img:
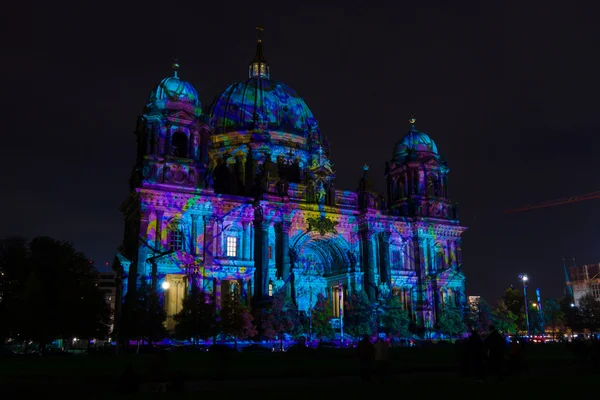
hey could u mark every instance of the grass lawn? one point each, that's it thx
(415, 367)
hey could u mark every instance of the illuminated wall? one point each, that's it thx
(244, 200)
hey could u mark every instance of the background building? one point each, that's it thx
(106, 283)
(241, 197)
(583, 280)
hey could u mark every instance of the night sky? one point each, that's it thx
(507, 91)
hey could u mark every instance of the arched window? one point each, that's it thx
(179, 145)
(432, 186)
(440, 259)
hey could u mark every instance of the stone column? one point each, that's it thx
(217, 291)
(420, 287)
(261, 256)
(384, 251)
(220, 238)
(194, 233)
(158, 229)
(284, 228)
(209, 236)
(368, 265)
(245, 241)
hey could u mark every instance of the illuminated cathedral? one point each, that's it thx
(241, 198)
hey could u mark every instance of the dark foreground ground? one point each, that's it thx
(551, 370)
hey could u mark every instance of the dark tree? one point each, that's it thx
(280, 318)
(322, 313)
(53, 294)
(14, 256)
(554, 317)
(588, 312)
(359, 315)
(197, 318)
(451, 322)
(504, 320)
(236, 320)
(143, 316)
(514, 302)
(394, 318)
(571, 313)
(479, 317)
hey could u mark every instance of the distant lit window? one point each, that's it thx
(175, 240)
(270, 288)
(231, 250)
(270, 252)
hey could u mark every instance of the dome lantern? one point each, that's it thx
(259, 68)
(173, 92)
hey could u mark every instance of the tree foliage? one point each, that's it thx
(554, 317)
(588, 312)
(143, 315)
(514, 302)
(236, 320)
(394, 318)
(451, 322)
(48, 292)
(479, 317)
(504, 320)
(280, 317)
(359, 316)
(322, 313)
(197, 318)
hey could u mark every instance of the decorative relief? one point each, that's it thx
(322, 225)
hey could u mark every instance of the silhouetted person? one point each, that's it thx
(129, 381)
(496, 345)
(516, 355)
(463, 354)
(365, 357)
(382, 359)
(476, 355)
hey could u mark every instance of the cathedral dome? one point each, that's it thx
(259, 99)
(415, 145)
(174, 89)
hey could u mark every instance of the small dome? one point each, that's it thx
(415, 145)
(261, 99)
(173, 89)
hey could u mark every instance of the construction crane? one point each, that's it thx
(552, 203)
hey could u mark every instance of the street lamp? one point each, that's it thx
(165, 285)
(524, 279)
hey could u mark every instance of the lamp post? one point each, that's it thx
(524, 279)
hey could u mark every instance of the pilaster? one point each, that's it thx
(370, 284)
(384, 252)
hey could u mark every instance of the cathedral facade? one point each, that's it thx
(241, 197)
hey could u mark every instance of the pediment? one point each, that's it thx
(181, 115)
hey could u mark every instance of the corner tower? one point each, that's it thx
(417, 179)
(171, 137)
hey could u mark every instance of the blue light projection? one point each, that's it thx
(243, 200)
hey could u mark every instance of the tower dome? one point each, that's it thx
(174, 91)
(260, 100)
(415, 145)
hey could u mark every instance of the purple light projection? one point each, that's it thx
(244, 200)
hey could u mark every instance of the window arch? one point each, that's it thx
(179, 144)
(440, 259)
(432, 186)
